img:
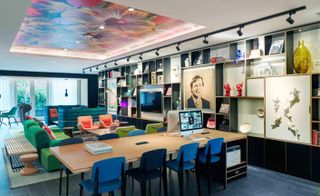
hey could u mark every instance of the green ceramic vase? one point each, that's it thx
(302, 58)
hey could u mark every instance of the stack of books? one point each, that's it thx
(97, 147)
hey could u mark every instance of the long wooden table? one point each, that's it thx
(78, 160)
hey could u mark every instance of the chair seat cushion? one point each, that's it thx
(213, 159)
(86, 124)
(103, 186)
(106, 121)
(140, 175)
(174, 165)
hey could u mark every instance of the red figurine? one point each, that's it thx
(227, 87)
(239, 89)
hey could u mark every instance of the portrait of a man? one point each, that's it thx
(195, 100)
(199, 88)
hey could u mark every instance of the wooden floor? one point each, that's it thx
(258, 182)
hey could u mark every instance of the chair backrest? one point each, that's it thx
(153, 160)
(23, 109)
(13, 110)
(215, 146)
(108, 169)
(123, 131)
(162, 129)
(108, 136)
(189, 152)
(136, 132)
(85, 121)
(153, 127)
(73, 140)
(106, 119)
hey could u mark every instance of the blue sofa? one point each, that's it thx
(48, 120)
(69, 117)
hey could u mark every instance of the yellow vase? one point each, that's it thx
(302, 58)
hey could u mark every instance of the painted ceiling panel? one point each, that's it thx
(92, 29)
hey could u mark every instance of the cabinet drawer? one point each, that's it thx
(236, 172)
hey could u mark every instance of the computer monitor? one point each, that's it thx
(173, 121)
(190, 122)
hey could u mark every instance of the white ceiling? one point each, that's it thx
(214, 14)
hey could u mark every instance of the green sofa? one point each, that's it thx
(41, 140)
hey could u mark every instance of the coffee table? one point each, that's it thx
(18, 146)
(99, 131)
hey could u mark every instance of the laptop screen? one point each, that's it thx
(190, 120)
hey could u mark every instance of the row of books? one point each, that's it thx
(315, 137)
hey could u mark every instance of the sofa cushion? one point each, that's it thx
(48, 160)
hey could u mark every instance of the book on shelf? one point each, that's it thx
(315, 137)
(134, 92)
(168, 91)
(114, 74)
(276, 47)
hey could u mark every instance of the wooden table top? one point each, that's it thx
(78, 160)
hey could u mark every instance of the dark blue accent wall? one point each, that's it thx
(92, 81)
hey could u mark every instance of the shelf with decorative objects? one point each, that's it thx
(256, 66)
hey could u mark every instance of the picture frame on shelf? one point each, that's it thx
(153, 77)
(224, 108)
(276, 47)
(160, 79)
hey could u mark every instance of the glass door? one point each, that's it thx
(40, 97)
(33, 92)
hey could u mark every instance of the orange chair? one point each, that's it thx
(86, 123)
(105, 120)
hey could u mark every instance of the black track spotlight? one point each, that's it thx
(178, 47)
(90, 69)
(97, 68)
(239, 31)
(140, 57)
(83, 71)
(205, 41)
(157, 52)
(289, 19)
(115, 63)
(105, 65)
(128, 59)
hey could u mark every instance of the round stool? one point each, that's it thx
(28, 160)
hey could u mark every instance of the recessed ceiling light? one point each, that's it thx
(65, 49)
(131, 9)
(77, 42)
(300, 30)
(101, 27)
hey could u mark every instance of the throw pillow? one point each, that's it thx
(53, 113)
(107, 121)
(86, 124)
(50, 132)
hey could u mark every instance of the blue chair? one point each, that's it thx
(68, 141)
(152, 166)
(107, 176)
(187, 153)
(136, 132)
(162, 129)
(210, 156)
(108, 136)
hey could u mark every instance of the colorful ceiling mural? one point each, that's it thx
(93, 29)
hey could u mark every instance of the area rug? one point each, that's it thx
(17, 181)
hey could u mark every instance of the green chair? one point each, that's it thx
(153, 128)
(123, 131)
(10, 114)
